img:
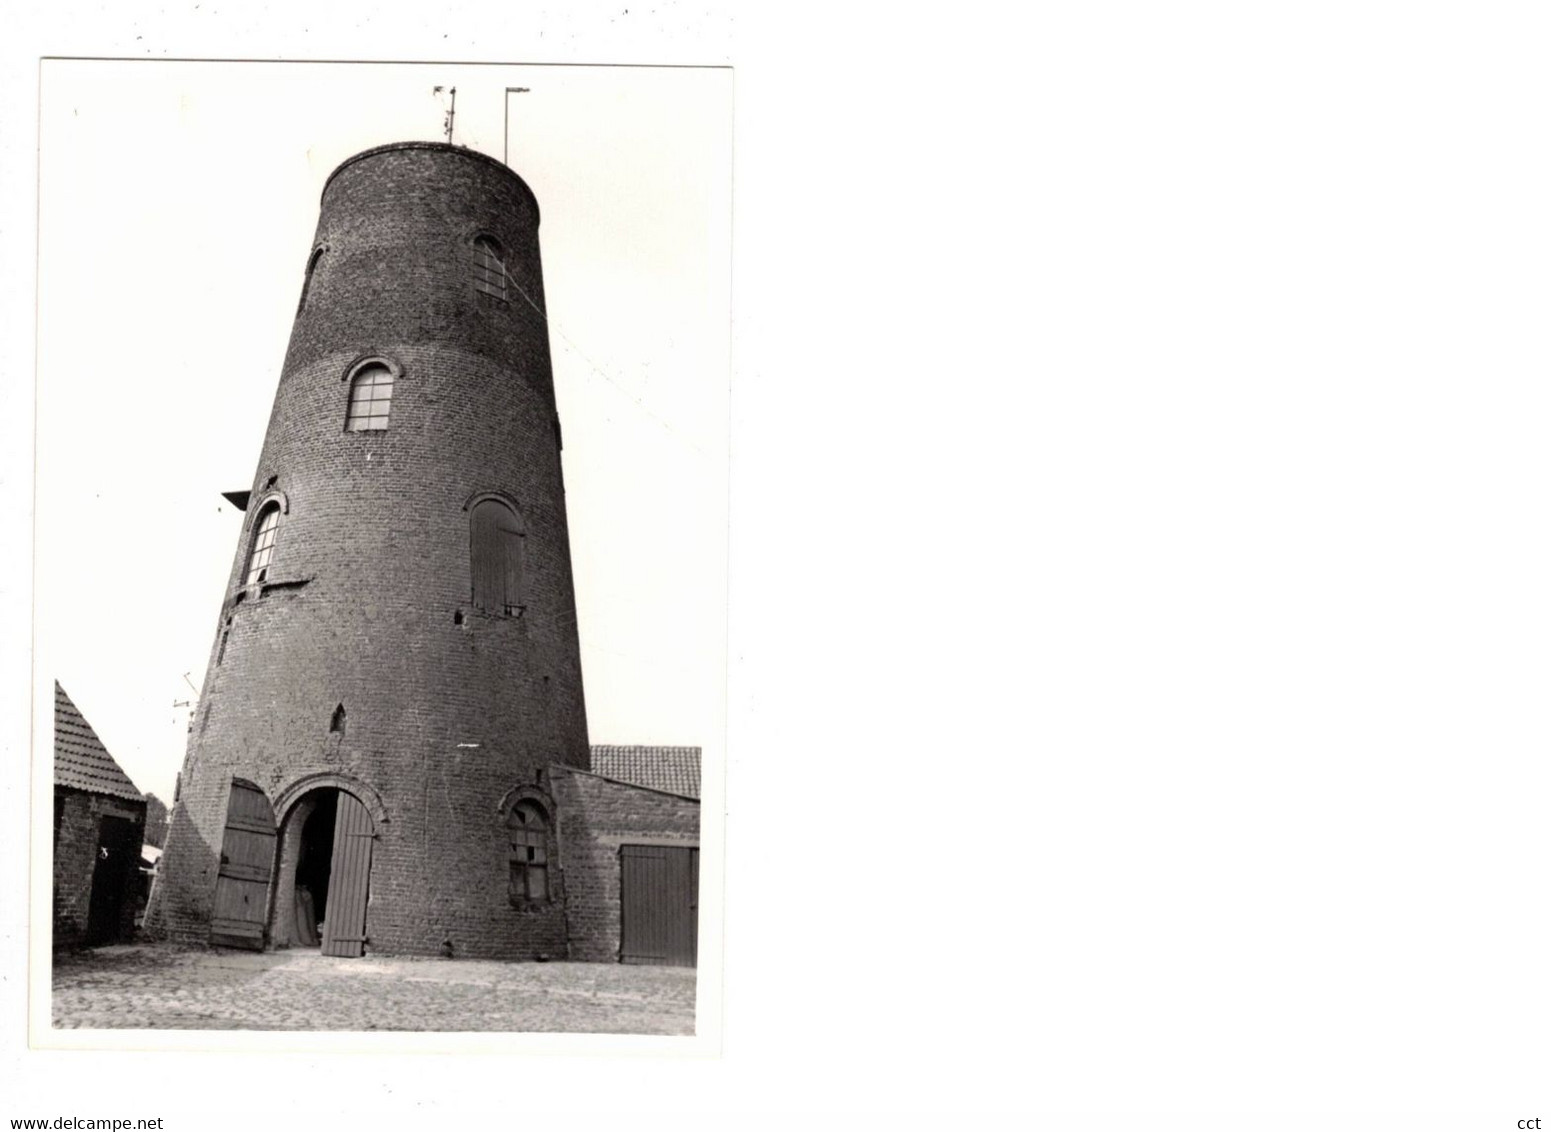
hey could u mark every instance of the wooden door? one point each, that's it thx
(350, 871)
(659, 898)
(247, 860)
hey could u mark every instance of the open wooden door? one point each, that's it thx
(350, 871)
(247, 860)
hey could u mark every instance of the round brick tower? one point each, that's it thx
(396, 662)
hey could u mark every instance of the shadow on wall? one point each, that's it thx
(172, 914)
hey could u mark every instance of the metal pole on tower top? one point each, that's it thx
(506, 120)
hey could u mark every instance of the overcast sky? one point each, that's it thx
(178, 204)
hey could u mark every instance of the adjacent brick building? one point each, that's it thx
(390, 749)
(99, 822)
(630, 837)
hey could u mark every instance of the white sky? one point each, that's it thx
(177, 208)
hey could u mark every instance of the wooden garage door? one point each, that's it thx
(658, 897)
(247, 859)
(350, 870)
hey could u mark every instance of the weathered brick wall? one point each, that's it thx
(75, 861)
(447, 708)
(597, 816)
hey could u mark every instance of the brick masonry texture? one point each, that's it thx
(367, 600)
(75, 860)
(597, 816)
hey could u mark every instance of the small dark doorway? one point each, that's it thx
(317, 853)
(114, 877)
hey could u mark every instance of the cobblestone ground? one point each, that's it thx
(161, 988)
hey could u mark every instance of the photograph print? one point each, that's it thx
(381, 544)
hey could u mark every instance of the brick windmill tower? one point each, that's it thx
(395, 674)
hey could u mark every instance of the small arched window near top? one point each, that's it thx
(527, 836)
(263, 548)
(489, 268)
(495, 557)
(371, 396)
(312, 265)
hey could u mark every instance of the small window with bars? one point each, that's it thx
(527, 834)
(263, 545)
(371, 396)
(489, 269)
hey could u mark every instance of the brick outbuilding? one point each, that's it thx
(630, 843)
(99, 824)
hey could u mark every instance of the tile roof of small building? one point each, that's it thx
(81, 762)
(674, 770)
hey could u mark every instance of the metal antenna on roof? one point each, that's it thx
(452, 109)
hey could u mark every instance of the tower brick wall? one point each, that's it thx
(366, 604)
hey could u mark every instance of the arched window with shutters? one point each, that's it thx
(263, 548)
(527, 836)
(495, 557)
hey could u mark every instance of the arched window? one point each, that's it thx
(495, 557)
(371, 396)
(312, 265)
(489, 268)
(527, 834)
(263, 548)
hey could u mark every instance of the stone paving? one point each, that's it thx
(164, 988)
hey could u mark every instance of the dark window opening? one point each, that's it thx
(312, 265)
(337, 721)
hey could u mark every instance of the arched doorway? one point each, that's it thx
(323, 880)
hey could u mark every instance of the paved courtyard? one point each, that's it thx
(149, 987)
